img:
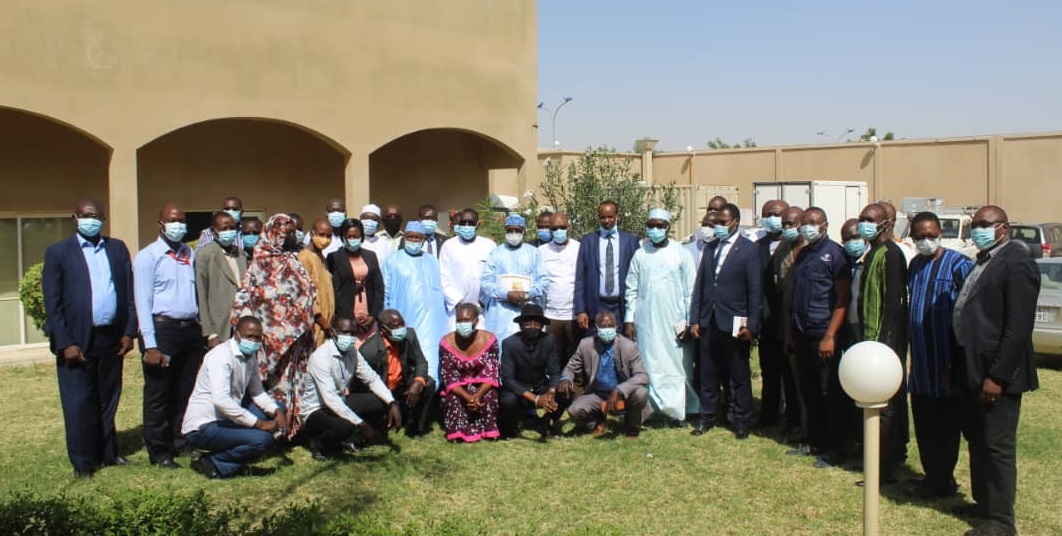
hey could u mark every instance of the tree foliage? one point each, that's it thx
(889, 136)
(32, 295)
(718, 143)
(598, 175)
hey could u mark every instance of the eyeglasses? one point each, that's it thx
(558, 228)
(657, 226)
(467, 222)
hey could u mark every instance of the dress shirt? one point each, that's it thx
(329, 371)
(163, 286)
(721, 251)
(104, 297)
(983, 258)
(606, 379)
(381, 244)
(602, 250)
(560, 262)
(223, 380)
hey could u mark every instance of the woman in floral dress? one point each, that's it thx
(468, 365)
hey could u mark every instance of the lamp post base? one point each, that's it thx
(871, 466)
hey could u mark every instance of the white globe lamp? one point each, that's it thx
(871, 373)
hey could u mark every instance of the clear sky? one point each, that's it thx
(779, 71)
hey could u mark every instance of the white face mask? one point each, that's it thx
(514, 239)
(927, 246)
(708, 234)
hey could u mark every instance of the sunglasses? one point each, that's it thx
(657, 226)
(467, 222)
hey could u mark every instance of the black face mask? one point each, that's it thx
(290, 243)
(530, 334)
(392, 225)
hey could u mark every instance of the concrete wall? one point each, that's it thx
(1022, 173)
(356, 74)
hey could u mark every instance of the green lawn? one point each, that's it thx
(663, 483)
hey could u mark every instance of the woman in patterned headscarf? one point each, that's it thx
(278, 291)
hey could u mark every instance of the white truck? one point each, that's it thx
(840, 199)
(954, 223)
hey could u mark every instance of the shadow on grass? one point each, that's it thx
(131, 441)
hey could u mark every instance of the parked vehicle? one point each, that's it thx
(1047, 331)
(1043, 239)
(954, 233)
(840, 199)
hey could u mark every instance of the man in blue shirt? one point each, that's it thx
(88, 296)
(170, 336)
(821, 288)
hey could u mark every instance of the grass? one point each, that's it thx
(666, 482)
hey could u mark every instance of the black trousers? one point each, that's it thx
(89, 393)
(895, 431)
(328, 428)
(513, 410)
(166, 389)
(724, 362)
(416, 419)
(778, 384)
(827, 406)
(566, 336)
(937, 431)
(991, 430)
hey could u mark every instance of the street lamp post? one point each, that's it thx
(553, 119)
(871, 374)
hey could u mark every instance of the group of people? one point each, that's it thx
(335, 334)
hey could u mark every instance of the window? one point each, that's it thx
(23, 240)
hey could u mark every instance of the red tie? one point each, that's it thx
(182, 258)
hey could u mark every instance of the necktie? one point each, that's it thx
(430, 252)
(182, 258)
(610, 263)
(718, 255)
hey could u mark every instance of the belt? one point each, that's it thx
(189, 322)
(105, 330)
(608, 299)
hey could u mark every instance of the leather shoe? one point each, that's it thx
(351, 448)
(599, 429)
(167, 463)
(741, 433)
(119, 461)
(700, 429)
(206, 467)
(990, 528)
(79, 474)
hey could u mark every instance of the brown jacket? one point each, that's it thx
(630, 371)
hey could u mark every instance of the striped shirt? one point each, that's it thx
(934, 286)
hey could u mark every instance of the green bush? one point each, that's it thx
(32, 295)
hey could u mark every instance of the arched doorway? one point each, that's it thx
(46, 165)
(274, 166)
(450, 168)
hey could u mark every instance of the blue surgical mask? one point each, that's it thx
(337, 218)
(227, 237)
(352, 244)
(771, 224)
(175, 230)
(656, 235)
(466, 232)
(249, 348)
(607, 335)
(413, 248)
(544, 235)
(249, 241)
(722, 232)
(89, 227)
(398, 334)
(560, 236)
(868, 230)
(855, 247)
(606, 232)
(344, 342)
(465, 329)
(790, 234)
(514, 239)
(430, 226)
(983, 237)
(370, 226)
(810, 233)
(236, 214)
(300, 236)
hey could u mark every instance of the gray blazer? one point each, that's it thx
(630, 370)
(215, 287)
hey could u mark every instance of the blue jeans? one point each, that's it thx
(231, 446)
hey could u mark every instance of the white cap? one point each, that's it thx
(371, 208)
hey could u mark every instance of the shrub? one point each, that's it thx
(32, 295)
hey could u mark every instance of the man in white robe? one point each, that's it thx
(375, 239)
(461, 261)
(659, 287)
(512, 276)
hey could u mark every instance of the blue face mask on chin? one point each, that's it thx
(655, 235)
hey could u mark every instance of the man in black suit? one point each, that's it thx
(88, 297)
(529, 375)
(402, 366)
(728, 293)
(993, 322)
(602, 265)
(774, 364)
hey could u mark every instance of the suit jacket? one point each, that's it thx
(736, 291)
(997, 323)
(338, 263)
(523, 370)
(588, 271)
(414, 365)
(630, 371)
(772, 288)
(215, 288)
(436, 239)
(67, 292)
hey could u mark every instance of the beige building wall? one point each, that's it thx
(357, 75)
(1032, 171)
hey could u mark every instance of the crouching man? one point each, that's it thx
(216, 421)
